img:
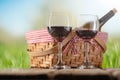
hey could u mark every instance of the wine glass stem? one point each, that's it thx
(60, 54)
(86, 60)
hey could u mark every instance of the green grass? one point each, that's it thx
(112, 55)
(13, 56)
(16, 56)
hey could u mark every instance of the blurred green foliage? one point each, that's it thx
(112, 55)
(14, 55)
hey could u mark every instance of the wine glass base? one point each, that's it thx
(60, 67)
(88, 66)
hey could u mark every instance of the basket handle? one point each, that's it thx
(101, 43)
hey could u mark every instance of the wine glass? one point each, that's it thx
(87, 28)
(59, 28)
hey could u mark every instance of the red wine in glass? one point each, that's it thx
(87, 28)
(59, 32)
(86, 34)
(59, 27)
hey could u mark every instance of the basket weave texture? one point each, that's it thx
(43, 51)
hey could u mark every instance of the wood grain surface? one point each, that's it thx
(54, 74)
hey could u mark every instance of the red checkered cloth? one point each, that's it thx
(39, 36)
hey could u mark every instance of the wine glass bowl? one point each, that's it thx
(59, 32)
(87, 28)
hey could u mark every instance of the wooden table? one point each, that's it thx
(52, 74)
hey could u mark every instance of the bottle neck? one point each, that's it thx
(105, 18)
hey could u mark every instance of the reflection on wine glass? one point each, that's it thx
(87, 28)
(59, 28)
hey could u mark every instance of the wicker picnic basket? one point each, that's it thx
(43, 50)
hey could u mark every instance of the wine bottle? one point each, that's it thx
(106, 17)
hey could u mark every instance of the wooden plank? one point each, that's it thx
(54, 74)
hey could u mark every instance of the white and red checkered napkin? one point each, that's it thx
(39, 36)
